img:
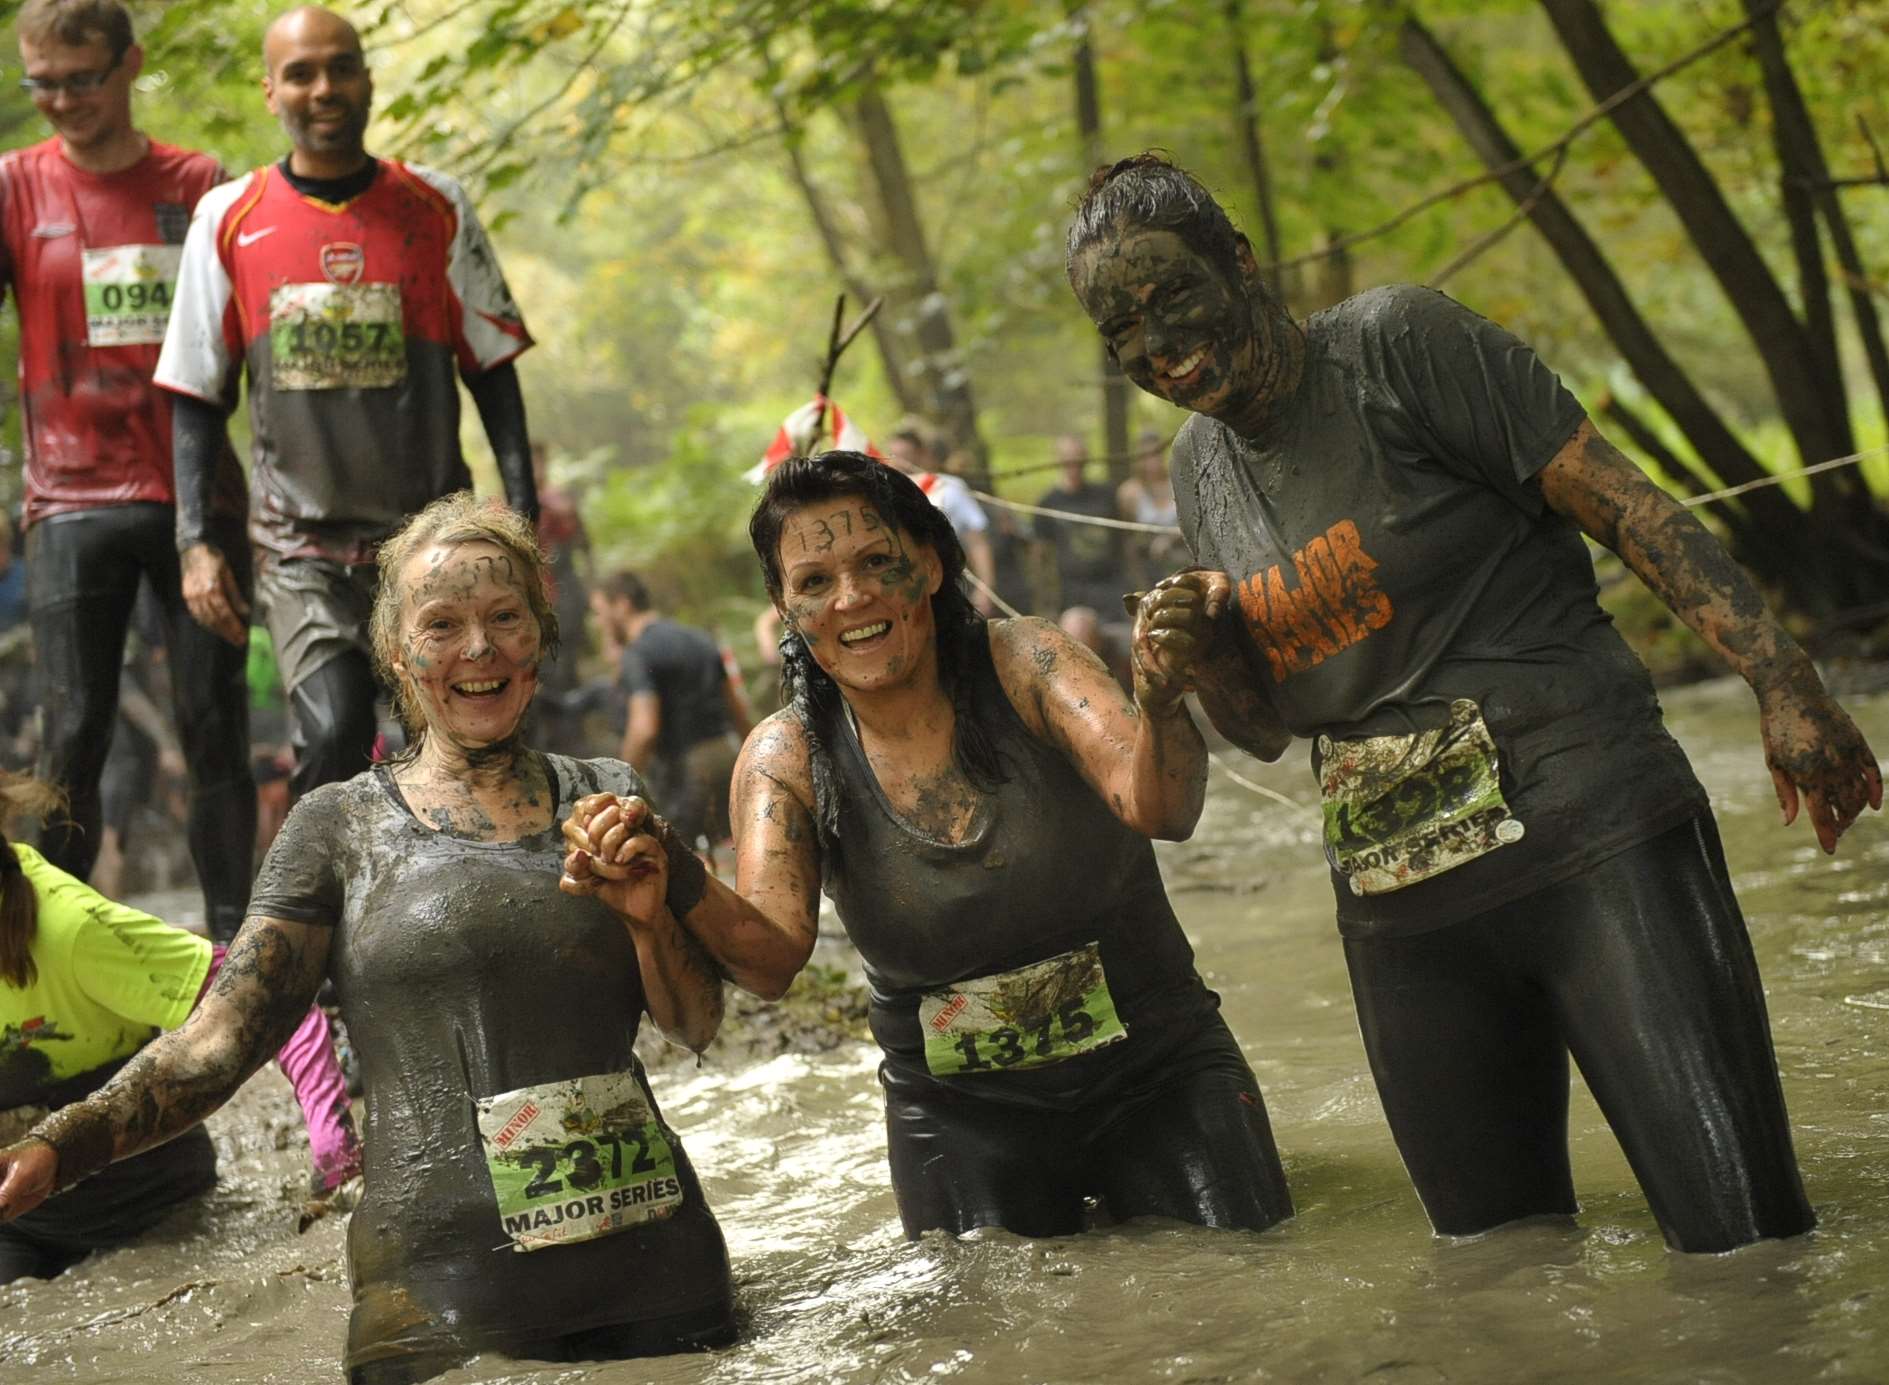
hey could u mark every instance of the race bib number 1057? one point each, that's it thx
(577, 1159)
(336, 336)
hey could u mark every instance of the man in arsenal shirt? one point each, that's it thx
(92, 224)
(354, 290)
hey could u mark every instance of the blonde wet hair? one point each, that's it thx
(449, 521)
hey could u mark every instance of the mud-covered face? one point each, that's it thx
(469, 643)
(1181, 327)
(858, 590)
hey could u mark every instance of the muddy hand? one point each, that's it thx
(27, 1171)
(604, 833)
(1817, 757)
(1172, 632)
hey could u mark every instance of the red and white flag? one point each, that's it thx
(801, 431)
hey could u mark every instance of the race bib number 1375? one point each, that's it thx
(1035, 1015)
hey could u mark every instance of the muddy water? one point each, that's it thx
(793, 1158)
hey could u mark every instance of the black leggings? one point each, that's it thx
(1189, 1140)
(705, 1329)
(331, 722)
(1643, 969)
(82, 575)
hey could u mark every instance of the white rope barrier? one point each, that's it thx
(1135, 526)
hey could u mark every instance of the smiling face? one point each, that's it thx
(318, 87)
(469, 643)
(858, 589)
(83, 120)
(1182, 327)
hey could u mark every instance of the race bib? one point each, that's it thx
(1035, 1015)
(336, 336)
(577, 1159)
(1399, 809)
(128, 291)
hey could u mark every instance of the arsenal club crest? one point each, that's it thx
(343, 261)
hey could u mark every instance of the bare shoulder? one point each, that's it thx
(778, 749)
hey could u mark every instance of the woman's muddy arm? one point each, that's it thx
(267, 983)
(1144, 755)
(1811, 745)
(762, 945)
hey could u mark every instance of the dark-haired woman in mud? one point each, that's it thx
(493, 1013)
(977, 798)
(1393, 496)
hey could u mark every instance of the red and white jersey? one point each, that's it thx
(354, 320)
(92, 260)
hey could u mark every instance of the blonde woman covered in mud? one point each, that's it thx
(977, 797)
(523, 1194)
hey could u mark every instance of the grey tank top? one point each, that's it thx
(1045, 869)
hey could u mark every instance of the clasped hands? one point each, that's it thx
(616, 854)
(1173, 633)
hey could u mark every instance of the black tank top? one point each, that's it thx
(1046, 868)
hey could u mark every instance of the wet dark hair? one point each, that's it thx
(19, 902)
(1150, 190)
(805, 686)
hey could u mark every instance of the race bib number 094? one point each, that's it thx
(128, 290)
(1027, 1018)
(336, 336)
(577, 1159)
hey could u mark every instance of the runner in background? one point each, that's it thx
(909, 452)
(561, 534)
(1089, 565)
(685, 715)
(92, 225)
(354, 291)
(1147, 497)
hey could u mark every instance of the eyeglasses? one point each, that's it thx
(77, 84)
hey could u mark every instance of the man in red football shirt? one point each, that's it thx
(92, 225)
(355, 291)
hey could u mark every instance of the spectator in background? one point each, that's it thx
(12, 577)
(562, 536)
(1089, 566)
(909, 452)
(686, 718)
(1147, 497)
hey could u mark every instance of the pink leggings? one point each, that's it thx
(308, 1061)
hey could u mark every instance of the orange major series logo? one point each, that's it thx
(1335, 604)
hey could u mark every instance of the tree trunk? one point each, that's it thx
(1806, 176)
(1718, 448)
(1251, 146)
(1790, 358)
(882, 333)
(1089, 128)
(937, 370)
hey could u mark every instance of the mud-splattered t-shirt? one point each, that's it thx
(92, 261)
(354, 321)
(109, 978)
(463, 972)
(1392, 552)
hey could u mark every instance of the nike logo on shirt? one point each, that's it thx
(251, 237)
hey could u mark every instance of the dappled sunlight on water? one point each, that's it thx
(792, 1154)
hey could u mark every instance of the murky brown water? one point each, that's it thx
(793, 1157)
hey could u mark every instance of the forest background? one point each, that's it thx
(1679, 203)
